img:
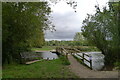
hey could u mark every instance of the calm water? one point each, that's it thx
(48, 55)
(97, 60)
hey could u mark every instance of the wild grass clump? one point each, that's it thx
(117, 65)
(65, 60)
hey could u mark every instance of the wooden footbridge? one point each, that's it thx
(82, 71)
(67, 50)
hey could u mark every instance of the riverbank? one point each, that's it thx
(44, 48)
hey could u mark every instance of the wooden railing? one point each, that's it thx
(65, 51)
(77, 50)
(84, 59)
(62, 50)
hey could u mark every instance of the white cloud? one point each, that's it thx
(68, 22)
(61, 8)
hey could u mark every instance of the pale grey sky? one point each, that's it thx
(67, 22)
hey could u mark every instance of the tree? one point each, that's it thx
(78, 37)
(23, 25)
(102, 30)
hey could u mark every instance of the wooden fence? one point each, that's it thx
(66, 51)
(62, 51)
(84, 59)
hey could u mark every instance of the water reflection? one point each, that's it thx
(48, 55)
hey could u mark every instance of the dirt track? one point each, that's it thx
(84, 72)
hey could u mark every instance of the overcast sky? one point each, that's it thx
(67, 22)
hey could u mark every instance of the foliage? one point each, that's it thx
(72, 3)
(23, 25)
(65, 60)
(79, 37)
(66, 43)
(117, 64)
(44, 69)
(86, 48)
(102, 30)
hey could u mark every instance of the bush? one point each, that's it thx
(117, 64)
(87, 48)
(65, 60)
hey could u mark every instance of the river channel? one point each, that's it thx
(48, 55)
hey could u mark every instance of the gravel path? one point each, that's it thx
(84, 72)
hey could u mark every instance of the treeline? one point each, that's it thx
(103, 30)
(23, 24)
(66, 43)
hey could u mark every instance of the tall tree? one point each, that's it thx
(102, 30)
(23, 25)
(78, 37)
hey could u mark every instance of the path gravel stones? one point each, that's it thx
(84, 72)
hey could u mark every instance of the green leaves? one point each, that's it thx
(23, 25)
(78, 37)
(102, 30)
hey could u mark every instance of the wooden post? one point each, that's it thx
(61, 50)
(91, 62)
(66, 55)
(83, 58)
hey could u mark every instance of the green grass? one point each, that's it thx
(44, 48)
(65, 60)
(43, 69)
(117, 65)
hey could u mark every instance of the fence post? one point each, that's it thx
(91, 62)
(83, 58)
(61, 51)
(66, 55)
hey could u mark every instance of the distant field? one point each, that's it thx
(87, 48)
(44, 48)
(43, 69)
(81, 48)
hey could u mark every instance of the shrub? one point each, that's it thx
(65, 60)
(117, 64)
(87, 48)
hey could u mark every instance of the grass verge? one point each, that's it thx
(43, 69)
(44, 48)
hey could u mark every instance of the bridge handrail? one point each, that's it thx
(84, 57)
(65, 50)
(76, 50)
